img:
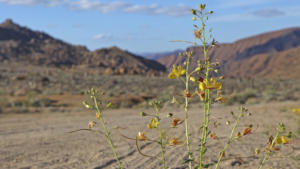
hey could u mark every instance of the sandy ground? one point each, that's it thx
(30, 141)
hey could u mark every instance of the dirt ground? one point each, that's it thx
(42, 140)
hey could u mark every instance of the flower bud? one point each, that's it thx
(193, 11)
(86, 105)
(143, 114)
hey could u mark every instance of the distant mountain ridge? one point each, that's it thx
(20, 44)
(158, 55)
(265, 55)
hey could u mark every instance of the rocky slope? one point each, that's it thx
(22, 45)
(273, 55)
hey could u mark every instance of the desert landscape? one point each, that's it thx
(45, 121)
(42, 140)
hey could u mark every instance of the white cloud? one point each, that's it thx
(49, 3)
(232, 18)
(178, 10)
(269, 13)
(102, 36)
(97, 5)
(106, 7)
(292, 11)
(258, 14)
(243, 3)
(155, 9)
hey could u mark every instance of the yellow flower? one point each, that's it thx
(174, 141)
(193, 79)
(176, 72)
(141, 136)
(197, 33)
(214, 136)
(91, 124)
(256, 151)
(282, 140)
(97, 115)
(153, 124)
(211, 84)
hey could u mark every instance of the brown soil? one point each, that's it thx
(42, 140)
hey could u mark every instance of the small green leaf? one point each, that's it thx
(86, 105)
(109, 105)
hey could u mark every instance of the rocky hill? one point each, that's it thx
(22, 45)
(273, 55)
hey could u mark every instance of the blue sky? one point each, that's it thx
(147, 25)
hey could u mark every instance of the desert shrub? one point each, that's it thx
(242, 97)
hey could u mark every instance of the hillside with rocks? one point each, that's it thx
(272, 55)
(22, 45)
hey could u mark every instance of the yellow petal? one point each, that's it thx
(202, 86)
(141, 136)
(174, 141)
(284, 140)
(278, 140)
(149, 126)
(193, 79)
(219, 86)
(182, 71)
(172, 76)
(152, 124)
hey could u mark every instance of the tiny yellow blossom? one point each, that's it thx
(174, 141)
(91, 124)
(256, 151)
(214, 136)
(153, 124)
(193, 79)
(97, 115)
(176, 72)
(197, 33)
(221, 99)
(141, 136)
(282, 140)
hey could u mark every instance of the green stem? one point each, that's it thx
(187, 134)
(107, 133)
(206, 102)
(267, 155)
(221, 154)
(161, 139)
(204, 128)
